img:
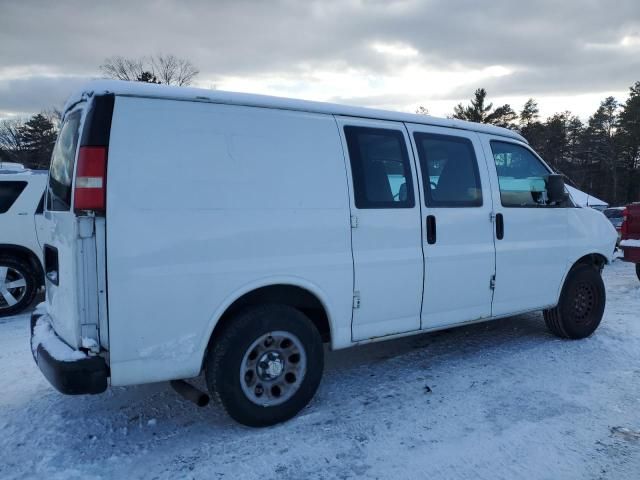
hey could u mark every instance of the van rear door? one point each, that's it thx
(385, 234)
(71, 258)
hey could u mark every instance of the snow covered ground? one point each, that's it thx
(492, 401)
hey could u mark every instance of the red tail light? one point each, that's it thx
(91, 178)
(624, 228)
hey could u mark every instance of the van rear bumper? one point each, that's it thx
(71, 372)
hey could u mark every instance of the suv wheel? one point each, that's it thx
(18, 285)
(266, 365)
(581, 305)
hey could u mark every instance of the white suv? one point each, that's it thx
(21, 204)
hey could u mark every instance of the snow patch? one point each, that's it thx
(43, 334)
(583, 199)
(41, 309)
(508, 401)
(89, 343)
(630, 243)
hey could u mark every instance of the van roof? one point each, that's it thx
(149, 90)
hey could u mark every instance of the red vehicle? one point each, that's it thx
(630, 235)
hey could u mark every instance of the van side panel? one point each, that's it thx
(205, 202)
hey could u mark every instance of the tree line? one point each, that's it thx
(29, 142)
(601, 156)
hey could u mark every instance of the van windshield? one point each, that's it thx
(62, 161)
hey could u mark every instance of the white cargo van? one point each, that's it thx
(197, 230)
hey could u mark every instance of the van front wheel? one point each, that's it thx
(266, 365)
(581, 305)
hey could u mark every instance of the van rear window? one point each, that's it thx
(62, 162)
(380, 168)
(9, 193)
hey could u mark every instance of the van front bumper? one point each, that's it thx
(71, 372)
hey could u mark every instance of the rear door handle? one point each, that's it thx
(431, 229)
(499, 226)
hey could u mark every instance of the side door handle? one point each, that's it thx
(431, 229)
(499, 226)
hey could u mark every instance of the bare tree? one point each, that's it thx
(167, 69)
(10, 140)
(172, 70)
(122, 68)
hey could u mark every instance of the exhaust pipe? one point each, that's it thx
(191, 393)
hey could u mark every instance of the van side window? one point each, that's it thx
(449, 171)
(9, 193)
(521, 176)
(62, 163)
(380, 168)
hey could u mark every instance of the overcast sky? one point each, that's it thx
(568, 54)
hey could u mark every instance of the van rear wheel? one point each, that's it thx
(266, 365)
(18, 285)
(581, 305)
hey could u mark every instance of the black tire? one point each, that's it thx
(27, 295)
(638, 270)
(581, 305)
(231, 348)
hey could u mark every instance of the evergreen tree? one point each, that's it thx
(628, 139)
(147, 77)
(529, 113)
(37, 138)
(554, 149)
(600, 149)
(530, 127)
(503, 116)
(478, 111)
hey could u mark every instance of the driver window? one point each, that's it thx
(521, 176)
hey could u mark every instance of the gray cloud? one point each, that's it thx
(35, 93)
(553, 47)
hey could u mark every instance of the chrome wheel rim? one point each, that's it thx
(273, 368)
(13, 287)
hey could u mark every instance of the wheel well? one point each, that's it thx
(290, 295)
(26, 255)
(595, 259)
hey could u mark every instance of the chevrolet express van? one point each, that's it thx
(233, 234)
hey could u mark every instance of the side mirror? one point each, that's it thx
(555, 188)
